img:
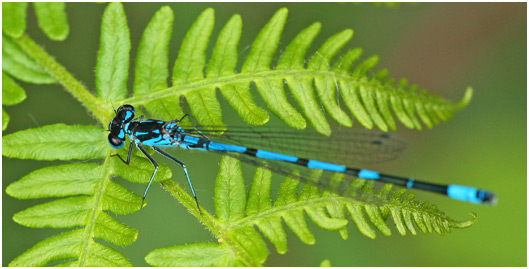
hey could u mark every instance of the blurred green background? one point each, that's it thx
(442, 47)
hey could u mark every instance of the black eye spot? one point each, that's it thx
(115, 141)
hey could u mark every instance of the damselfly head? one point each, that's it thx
(124, 114)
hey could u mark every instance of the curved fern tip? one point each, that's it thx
(466, 98)
(468, 223)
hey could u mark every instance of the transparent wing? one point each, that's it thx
(345, 146)
(338, 183)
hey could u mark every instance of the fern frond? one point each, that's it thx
(94, 193)
(91, 181)
(237, 216)
(321, 79)
(15, 62)
(85, 211)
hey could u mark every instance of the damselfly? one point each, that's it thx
(356, 145)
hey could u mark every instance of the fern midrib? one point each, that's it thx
(60, 74)
(90, 227)
(248, 77)
(279, 210)
(242, 255)
(319, 203)
(209, 221)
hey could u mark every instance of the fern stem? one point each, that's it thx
(189, 203)
(209, 221)
(55, 69)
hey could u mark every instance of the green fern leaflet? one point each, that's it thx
(238, 215)
(87, 196)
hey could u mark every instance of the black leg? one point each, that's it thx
(185, 115)
(128, 155)
(153, 174)
(185, 170)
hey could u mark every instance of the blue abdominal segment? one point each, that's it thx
(368, 174)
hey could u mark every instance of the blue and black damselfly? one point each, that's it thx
(283, 150)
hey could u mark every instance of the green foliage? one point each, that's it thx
(325, 263)
(368, 99)
(192, 255)
(237, 215)
(70, 244)
(51, 17)
(56, 142)
(14, 18)
(113, 56)
(12, 94)
(52, 20)
(15, 62)
(20, 65)
(85, 190)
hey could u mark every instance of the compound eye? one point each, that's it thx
(115, 141)
(126, 113)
